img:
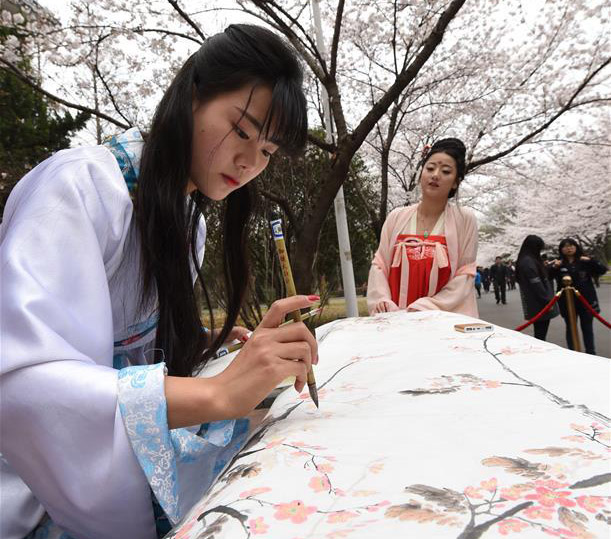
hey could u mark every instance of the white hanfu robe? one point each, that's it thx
(84, 434)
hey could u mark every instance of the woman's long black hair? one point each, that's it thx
(532, 246)
(168, 220)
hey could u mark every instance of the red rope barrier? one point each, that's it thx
(540, 313)
(551, 304)
(589, 307)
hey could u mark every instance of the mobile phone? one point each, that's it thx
(472, 328)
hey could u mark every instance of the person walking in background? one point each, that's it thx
(427, 252)
(596, 277)
(478, 281)
(498, 276)
(511, 277)
(536, 290)
(486, 279)
(581, 269)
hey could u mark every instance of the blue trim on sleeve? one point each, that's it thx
(143, 408)
(180, 464)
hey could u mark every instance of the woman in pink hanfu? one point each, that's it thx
(426, 257)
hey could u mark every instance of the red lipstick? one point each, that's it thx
(231, 181)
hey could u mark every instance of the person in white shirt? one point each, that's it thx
(104, 430)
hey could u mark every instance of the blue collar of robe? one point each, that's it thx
(127, 150)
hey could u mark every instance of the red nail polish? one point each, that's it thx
(313, 298)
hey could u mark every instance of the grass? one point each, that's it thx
(334, 309)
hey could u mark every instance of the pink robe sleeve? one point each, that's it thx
(458, 295)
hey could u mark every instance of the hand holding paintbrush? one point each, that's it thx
(287, 274)
(274, 352)
(233, 347)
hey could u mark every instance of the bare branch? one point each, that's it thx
(331, 148)
(10, 67)
(115, 30)
(570, 141)
(165, 32)
(111, 95)
(335, 42)
(307, 48)
(283, 203)
(187, 19)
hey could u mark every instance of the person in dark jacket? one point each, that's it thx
(536, 290)
(581, 269)
(486, 279)
(498, 276)
(511, 277)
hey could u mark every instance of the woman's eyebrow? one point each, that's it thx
(432, 162)
(251, 118)
(257, 124)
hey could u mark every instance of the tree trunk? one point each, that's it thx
(384, 191)
(306, 245)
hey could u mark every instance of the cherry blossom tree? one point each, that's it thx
(112, 58)
(507, 88)
(31, 128)
(496, 80)
(509, 78)
(560, 194)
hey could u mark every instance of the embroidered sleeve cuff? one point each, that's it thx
(144, 410)
(179, 464)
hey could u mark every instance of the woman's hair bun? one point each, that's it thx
(449, 144)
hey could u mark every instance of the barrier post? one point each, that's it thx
(567, 283)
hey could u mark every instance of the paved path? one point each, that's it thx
(511, 316)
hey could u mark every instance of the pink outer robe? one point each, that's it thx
(458, 295)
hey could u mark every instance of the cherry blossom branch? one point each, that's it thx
(474, 532)
(307, 48)
(312, 459)
(165, 32)
(271, 9)
(570, 141)
(116, 30)
(406, 76)
(229, 511)
(566, 107)
(593, 436)
(553, 397)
